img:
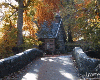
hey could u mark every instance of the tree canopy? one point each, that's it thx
(20, 19)
(84, 19)
(88, 20)
(81, 19)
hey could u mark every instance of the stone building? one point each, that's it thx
(53, 36)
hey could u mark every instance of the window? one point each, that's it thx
(51, 40)
(51, 44)
(51, 48)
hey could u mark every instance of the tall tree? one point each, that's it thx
(67, 13)
(45, 9)
(20, 22)
(20, 18)
(88, 20)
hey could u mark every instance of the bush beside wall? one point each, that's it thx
(18, 61)
(84, 63)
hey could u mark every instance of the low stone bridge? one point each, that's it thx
(47, 68)
(32, 65)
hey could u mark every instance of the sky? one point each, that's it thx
(9, 1)
(3, 9)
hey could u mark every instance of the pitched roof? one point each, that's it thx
(49, 32)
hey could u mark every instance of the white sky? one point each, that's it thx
(9, 1)
(3, 9)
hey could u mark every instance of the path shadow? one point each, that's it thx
(48, 68)
(51, 68)
(57, 68)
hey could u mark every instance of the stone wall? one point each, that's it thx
(84, 63)
(18, 61)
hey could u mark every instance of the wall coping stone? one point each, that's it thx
(18, 61)
(85, 63)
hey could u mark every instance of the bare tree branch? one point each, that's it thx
(13, 13)
(7, 4)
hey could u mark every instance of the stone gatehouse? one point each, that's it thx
(53, 36)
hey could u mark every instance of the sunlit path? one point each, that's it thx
(49, 68)
(57, 68)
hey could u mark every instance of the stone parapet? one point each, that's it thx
(18, 61)
(84, 63)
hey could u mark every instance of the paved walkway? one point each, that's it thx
(48, 68)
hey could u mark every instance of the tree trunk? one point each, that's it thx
(69, 35)
(20, 23)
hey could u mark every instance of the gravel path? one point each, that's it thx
(47, 68)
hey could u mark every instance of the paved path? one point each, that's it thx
(48, 68)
